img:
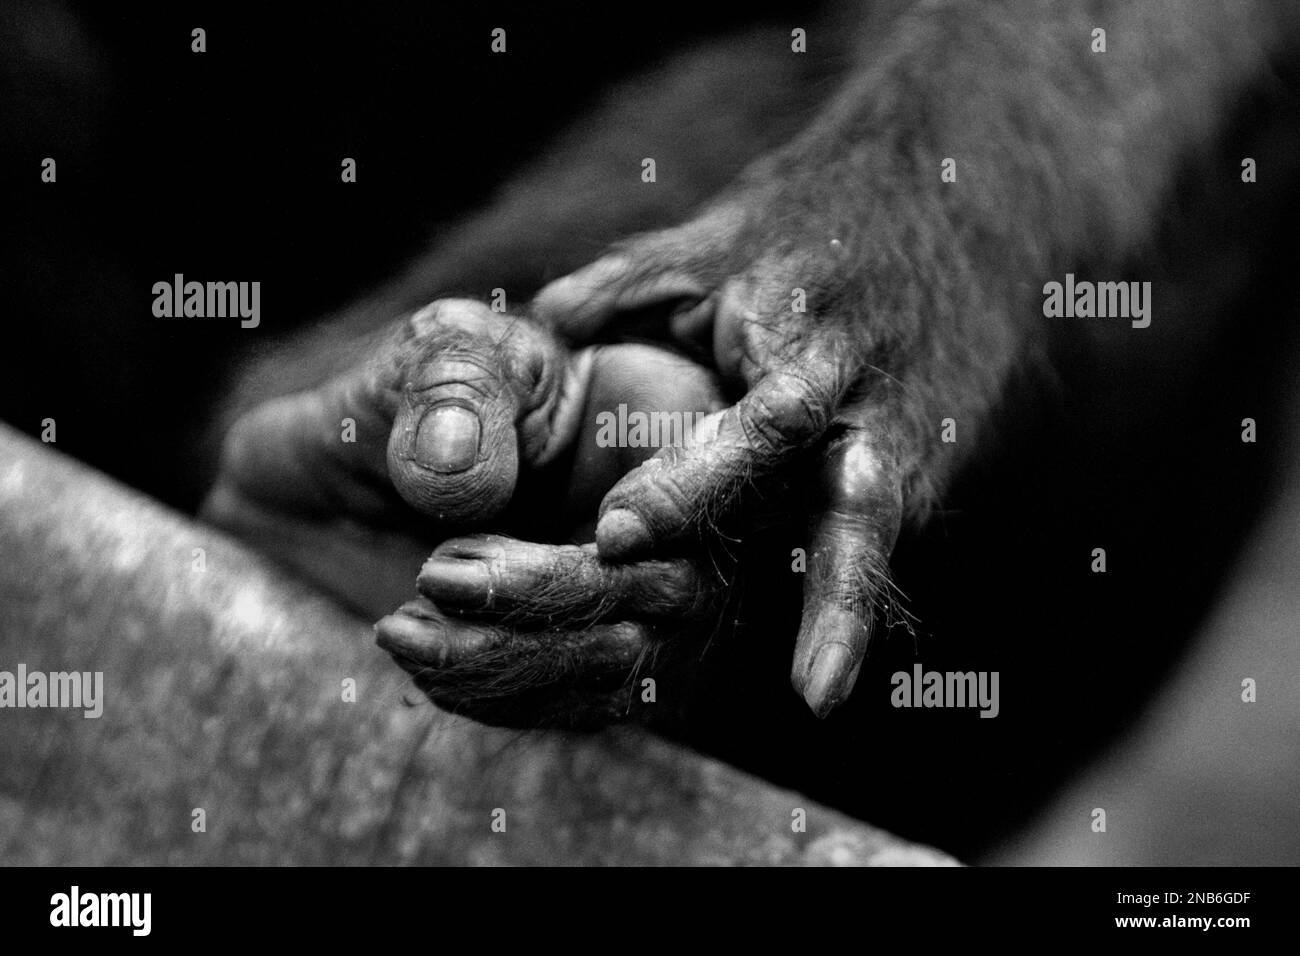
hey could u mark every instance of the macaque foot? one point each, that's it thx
(521, 634)
(460, 418)
(466, 419)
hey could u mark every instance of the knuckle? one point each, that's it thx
(671, 497)
(761, 428)
(664, 496)
(785, 413)
(808, 401)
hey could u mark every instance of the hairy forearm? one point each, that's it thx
(1058, 149)
(1062, 156)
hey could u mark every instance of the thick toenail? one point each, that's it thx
(447, 439)
(457, 582)
(827, 676)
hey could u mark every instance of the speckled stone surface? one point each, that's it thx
(224, 692)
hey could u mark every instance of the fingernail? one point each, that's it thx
(456, 582)
(447, 439)
(412, 639)
(622, 533)
(825, 684)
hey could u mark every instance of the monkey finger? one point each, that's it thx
(583, 305)
(319, 451)
(538, 585)
(438, 411)
(683, 264)
(503, 676)
(671, 497)
(481, 394)
(419, 633)
(861, 506)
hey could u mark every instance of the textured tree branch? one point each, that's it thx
(223, 692)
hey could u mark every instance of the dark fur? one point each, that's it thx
(1065, 159)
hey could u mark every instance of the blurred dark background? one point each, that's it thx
(227, 165)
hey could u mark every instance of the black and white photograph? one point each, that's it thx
(852, 434)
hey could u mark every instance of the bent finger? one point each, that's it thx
(683, 264)
(486, 668)
(481, 393)
(678, 492)
(538, 585)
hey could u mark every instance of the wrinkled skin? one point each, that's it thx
(515, 633)
(851, 298)
(467, 419)
(856, 299)
(810, 391)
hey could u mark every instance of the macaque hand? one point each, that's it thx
(813, 288)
